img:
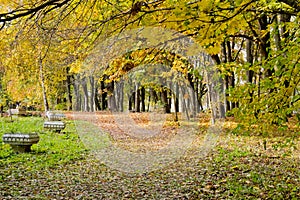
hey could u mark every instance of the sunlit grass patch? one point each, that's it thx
(52, 149)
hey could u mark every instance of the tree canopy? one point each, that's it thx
(253, 43)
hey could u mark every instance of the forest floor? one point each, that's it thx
(101, 156)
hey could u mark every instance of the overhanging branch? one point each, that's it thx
(21, 12)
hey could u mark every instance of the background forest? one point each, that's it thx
(252, 44)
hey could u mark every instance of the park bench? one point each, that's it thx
(16, 111)
(21, 142)
(54, 125)
(52, 116)
(54, 121)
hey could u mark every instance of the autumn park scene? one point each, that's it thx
(149, 99)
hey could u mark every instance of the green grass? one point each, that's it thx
(53, 148)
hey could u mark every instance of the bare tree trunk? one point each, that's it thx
(69, 93)
(92, 97)
(219, 94)
(46, 104)
(164, 97)
(86, 107)
(176, 100)
(265, 42)
(111, 98)
(226, 80)
(76, 86)
(96, 99)
(121, 105)
(249, 58)
(119, 95)
(137, 98)
(277, 34)
(232, 76)
(176, 96)
(210, 99)
(131, 101)
(222, 112)
(103, 96)
(183, 104)
(143, 97)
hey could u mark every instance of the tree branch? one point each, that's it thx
(293, 3)
(18, 13)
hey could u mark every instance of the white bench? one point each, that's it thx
(52, 116)
(54, 125)
(21, 142)
(16, 111)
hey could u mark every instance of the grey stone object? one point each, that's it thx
(54, 125)
(52, 116)
(21, 142)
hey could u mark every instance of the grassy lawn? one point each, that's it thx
(238, 167)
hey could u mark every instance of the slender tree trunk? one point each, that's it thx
(111, 98)
(143, 97)
(92, 97)
(183, 103)
(164, 98)
(232, 75)
(97, 102)
(121, 99)
(131, 101)
(46, 104)
(137, 98)
(250, 72)
(277, 34)
(210, 98)
(265, 42)
(176, 98)
(86, 107)
(249, 58)
(76, 86)
(119, 93)
(69, 92)
(219, 94)
(103, 96)
(226, 79)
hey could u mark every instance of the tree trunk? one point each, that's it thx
(121, 105)
(92, 97)
(111, 98)
(226, 80)
(249, 58)
(86, 107)
(265, 42)
(68, 87)
(176, 98)
(164, 98)
(183, 103)
(219, 95)
(97, 102)
(119, 95)
(103, 96)
(46, 104)
(232, 75)
(143, 97)
(76, 86)
(137, 98)
(131, 101)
